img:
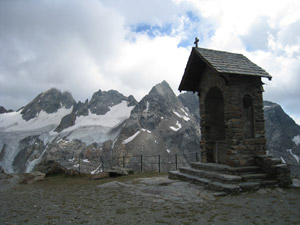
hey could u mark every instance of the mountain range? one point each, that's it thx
(161, 131)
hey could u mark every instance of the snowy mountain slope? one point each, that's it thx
(17, 128)
(24, 142)
(14, 121)
(96, 128)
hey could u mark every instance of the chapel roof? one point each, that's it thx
(220, 61)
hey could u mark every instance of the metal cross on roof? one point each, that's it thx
(196, 42)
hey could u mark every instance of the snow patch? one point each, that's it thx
(14, 122)
(183, 110)
(97, 128)
(185, 117)
(282, 160)
(31, 164)
(296, 139)
(148, 131)
(168, 151)
(176, 128)
(86, 161)
(147, 107)
(295, 156)
(126, 141)
(114, 142)
(98, 169)
(116, 115)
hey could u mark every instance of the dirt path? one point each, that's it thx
(134, 200)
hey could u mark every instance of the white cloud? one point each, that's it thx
(146, 61)
(268, 33)
(44, 45)
(83, 46)
(154, 12)
(82, 49)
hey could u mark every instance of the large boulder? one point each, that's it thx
(119, 171)
(50, 167)
(30, 178)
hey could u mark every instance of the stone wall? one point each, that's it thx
(243, 118)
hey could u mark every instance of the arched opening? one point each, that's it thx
(215, 125)
(248, 117)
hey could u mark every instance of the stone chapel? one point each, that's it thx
(231, 105)
(233, 142)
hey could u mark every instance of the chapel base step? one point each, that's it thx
(220, 177)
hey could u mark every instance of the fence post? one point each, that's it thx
(176, 161)
(123, 161)
(141, 163)
(102, 163)
(79, 164)
(159, 163)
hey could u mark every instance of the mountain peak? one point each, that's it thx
(49, 101)
(4, 110)
(102, 100)
(163, 91)
(162, 88)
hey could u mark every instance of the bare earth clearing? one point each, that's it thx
(140, 199)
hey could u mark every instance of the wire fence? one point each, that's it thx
(138, 163)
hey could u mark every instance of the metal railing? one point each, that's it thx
(139, 163)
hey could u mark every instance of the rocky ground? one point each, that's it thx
(140, 199)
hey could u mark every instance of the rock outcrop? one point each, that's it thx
(50, 167)
(30, 178)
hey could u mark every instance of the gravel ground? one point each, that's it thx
(140, 199)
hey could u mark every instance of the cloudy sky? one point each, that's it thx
(82, 46)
